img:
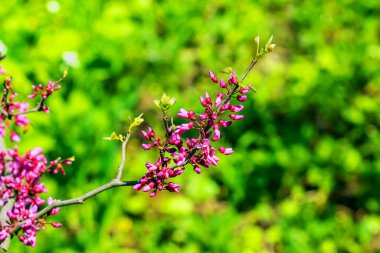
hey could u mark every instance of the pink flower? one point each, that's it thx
(56, 224)
(236, 108)
(244, 90)
(172, 187)
(213, 77)
(186, 114)
(150, 166)
(21, 120)
(219, 99)
(15, 137)
(2, 71)
(232, 79)
(145, 135)
(197, 169)
(226, 151)
(225, 123)
(241, 98)
(222, 84)
(146, 146)
(236, 117)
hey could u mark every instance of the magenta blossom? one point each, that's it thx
(176, 150)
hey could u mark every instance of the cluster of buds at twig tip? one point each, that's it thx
(115, 137)
(266, 49)
(165, 103)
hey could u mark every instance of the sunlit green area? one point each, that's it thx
(305, 173)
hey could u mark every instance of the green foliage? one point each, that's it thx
(306, 166)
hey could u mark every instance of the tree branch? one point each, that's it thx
(79, 200)
(75, 201)
(123, 156)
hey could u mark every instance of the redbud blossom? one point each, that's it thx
(233, 79)
(2, 72)
(226, 151)
(213, 77)
(208, 99)
(186, 114)
(145, 135)
(173, 187)
(236, 117)
(222, 84)
(197, 169)
(15, 137)
(219, 99)
(177, 150)
(151, 132)
(241, 98)
(146, 146)
(244, 90)
(225, 123)
(236, 108)
(21, 173)
(56, 224)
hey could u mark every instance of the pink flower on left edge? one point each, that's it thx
(2, 71)
(15, 137)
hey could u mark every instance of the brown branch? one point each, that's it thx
(74, 201)
(81, 199)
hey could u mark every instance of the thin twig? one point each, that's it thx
(75, 201)
(123, 157)
(81, 199)
(251, 65)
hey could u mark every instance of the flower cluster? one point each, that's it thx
(20, 174)
(12, 110)
(20, 181)
(176, 150)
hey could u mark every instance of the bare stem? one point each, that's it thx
(123, 157)
(251, 65)
(75, 201)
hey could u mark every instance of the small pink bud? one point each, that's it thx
(146, 146)
(219, 99)
(241, 98)
(202, 116)
(137, 187)
(236, 108)
(15, 137)
(213, 77)
(232, 79)
(222, 84)
(150, 166)
(225, 123)
(243, 91)
(236, 117)
(151, 132)
(226, 151)
(197, 170)
(203, 101)
(55, 211)
(146, 188)
(208, 99)
(145, 135)
(225, 106)
(56, 224)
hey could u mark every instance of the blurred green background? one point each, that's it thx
(305, 174)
